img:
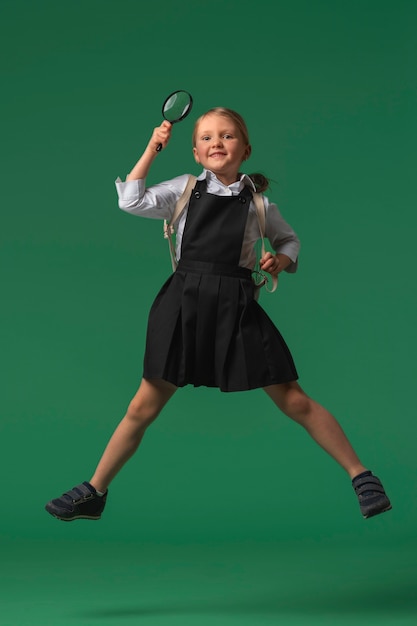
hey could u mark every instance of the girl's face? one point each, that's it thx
(219, 147)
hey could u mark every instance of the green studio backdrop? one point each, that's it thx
(328, 93)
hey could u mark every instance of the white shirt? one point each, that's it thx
(158, 202)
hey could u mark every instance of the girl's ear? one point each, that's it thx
(195, 153)
(247, 153)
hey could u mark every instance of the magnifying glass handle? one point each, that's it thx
(159, 147)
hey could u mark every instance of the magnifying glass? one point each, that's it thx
(176, 107)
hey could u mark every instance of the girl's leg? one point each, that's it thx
(144, 408)
(319, 423)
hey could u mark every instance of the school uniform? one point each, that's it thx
(205, 327)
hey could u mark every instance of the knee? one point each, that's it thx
(141, 413)
(296, 404)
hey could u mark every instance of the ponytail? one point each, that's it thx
(260, 181)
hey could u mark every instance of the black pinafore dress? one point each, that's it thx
(205, 327)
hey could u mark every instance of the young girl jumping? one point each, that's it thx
(205, 326)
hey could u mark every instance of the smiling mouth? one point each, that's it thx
(217, 155)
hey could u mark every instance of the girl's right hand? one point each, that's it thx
(160, 136)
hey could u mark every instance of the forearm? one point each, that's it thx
(142, 167)
(160, 137)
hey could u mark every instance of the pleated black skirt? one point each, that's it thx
(205, 328)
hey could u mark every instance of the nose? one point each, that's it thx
(217, 141)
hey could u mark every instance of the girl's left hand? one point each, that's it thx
(270, 263)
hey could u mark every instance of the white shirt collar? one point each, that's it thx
(236, 187)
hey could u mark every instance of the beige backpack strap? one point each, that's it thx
(260, 212)
(179, 207)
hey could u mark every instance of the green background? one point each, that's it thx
(229, 514)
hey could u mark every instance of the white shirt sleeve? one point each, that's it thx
(282, 237)
(156, 202)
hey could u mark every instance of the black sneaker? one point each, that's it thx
(82, 502)
(371, 494)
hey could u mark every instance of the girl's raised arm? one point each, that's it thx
(160, 135)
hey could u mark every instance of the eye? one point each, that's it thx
(227, 136)
(205, 138)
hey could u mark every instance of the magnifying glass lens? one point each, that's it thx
(177, 106)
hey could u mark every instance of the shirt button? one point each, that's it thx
(197, 194)
(242, 199)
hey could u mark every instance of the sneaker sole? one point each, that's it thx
(71, 519)
(388, 508)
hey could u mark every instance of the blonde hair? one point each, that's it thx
(259, 180)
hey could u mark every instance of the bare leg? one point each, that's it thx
(144, 408)
(318, 422)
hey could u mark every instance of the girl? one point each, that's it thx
(205, 326)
